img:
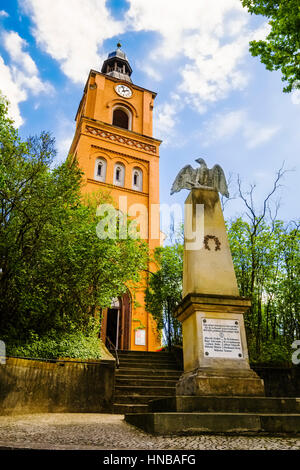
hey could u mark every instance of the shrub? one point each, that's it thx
(53, 346)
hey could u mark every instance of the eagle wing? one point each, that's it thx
(219, 180)
(184, 179)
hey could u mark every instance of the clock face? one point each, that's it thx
(124, 91)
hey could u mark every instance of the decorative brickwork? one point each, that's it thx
(121, 139)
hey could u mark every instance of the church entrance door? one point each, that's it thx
(117, 323)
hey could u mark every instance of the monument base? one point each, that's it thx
(215, 348)
(226, 382)
(191, 415)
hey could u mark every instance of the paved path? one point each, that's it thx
(105, 431)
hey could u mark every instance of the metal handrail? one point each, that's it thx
(116, 351)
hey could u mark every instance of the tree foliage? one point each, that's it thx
(164, 291)
(265, 253)
(267, 265)
(56, 273)
(281, 49)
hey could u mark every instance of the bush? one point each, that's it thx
(53, 346)
(271, 353)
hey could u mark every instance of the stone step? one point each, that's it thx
(145, 373)
(227, 404)
(142, 382)
(148, 366)
(137, 390)
(147, 363)
(135, 399)
(141, 377)
(199, 423)
(123, 408)
(144, 353)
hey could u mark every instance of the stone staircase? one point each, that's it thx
(143, 377)
(195, 415)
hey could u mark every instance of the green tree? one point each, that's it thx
(56, 273)
(281, 49)
(267, 268)
(164, 291)
(265, 254)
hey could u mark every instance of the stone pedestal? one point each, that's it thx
(215, 348)
(212, 313)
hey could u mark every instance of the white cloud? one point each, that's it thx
(210, 36)
(21, 76)
(295, 96)
(256, 135)
(72, 32)
(227, 125)
(12, 91)
(14, 45)
(4, 14)
(65, 134)
(166, 119)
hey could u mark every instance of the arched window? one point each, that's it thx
(122, 117)
(100, 169)
(137, 179)
(119, 174)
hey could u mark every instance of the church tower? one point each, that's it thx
(117, 153)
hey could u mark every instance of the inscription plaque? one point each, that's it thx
(221, 338)
(140, 337)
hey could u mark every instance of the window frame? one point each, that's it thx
(127, 111)
(137, 171)
(103, 162)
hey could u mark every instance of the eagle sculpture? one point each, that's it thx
(202, 177)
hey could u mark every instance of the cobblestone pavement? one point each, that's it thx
(106, 431)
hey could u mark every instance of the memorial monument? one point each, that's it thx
(212, 312)
(218, 391)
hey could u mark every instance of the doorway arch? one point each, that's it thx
(117, 323)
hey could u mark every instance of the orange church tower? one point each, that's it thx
(114, 147)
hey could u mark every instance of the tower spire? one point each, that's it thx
(117, 65)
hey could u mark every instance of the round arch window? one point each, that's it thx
(137, 179)
(119, 174)
(100, 169)
(122, 117)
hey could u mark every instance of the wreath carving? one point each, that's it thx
(216, 240)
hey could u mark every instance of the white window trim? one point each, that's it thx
(122, 181)
(104, 168)
(137, 187)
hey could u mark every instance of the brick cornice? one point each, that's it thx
(121, 139)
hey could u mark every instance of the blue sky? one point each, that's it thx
(214, 99)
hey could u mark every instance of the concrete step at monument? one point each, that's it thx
(227, 404)
(129, 361)
(137, 390)
(123, 353)
(123, 408)
(199, 423)
(148, 366)
(134, 381)
(142, 377)
(135, 399)
(145, 373)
